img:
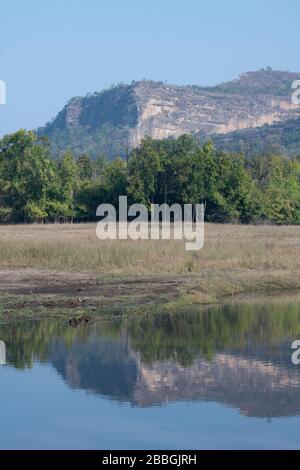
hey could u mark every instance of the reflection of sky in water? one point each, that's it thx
(61, 418)
(223, 380)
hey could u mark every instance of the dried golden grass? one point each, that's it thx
(72, 247)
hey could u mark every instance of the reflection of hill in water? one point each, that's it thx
(109, 367)
(98, 365)
(236, 355)
(256, 388)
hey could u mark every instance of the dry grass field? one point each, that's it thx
(235, 259)
(75, 247)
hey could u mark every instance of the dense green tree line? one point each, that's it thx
(34, 187)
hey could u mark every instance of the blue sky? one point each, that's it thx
(53, 50)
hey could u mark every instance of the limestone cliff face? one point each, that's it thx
(123, 115)
(165, 111)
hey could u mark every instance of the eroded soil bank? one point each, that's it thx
(32, 292)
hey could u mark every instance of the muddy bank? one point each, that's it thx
(34, 281)
(28, 291)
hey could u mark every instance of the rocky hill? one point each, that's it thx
(282, 138)
(115, 120)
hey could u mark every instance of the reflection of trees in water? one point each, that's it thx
(29, 340)
(178, 335)
(184, 335)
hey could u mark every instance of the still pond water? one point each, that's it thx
(217, 379)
